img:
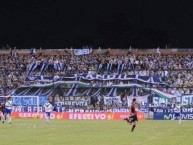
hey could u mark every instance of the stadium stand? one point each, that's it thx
(95, 73)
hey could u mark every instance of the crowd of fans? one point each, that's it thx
(175, 70)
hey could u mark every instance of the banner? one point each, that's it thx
(163, 110)
(63, 109)
(79, 116)
(142, 100)
(112, 100)
(90, 77)
(184, 100)
(157, 101)
(82, 51)
(29, 100)
(73, 103)
(169, 116)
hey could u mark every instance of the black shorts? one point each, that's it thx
(133, 118)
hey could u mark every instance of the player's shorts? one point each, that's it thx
(177, 114)
(133, 118)
(7, 111)
(48, 114)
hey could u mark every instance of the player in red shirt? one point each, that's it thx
(2, 113)
(133, 114)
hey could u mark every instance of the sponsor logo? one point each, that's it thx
(85, 116)
(184, 116)
(76, 116)
(187, 116)
(110, 116)
(168, 116)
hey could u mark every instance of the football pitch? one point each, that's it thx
(79, 132)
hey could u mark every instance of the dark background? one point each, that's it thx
(121, 24)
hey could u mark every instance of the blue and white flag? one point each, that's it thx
(32, 67)
(72, 91)
(100, 66)
(33, 51)
(97, 93)
(58, 66)
(109, 67)
(44, 65)
(158, 51)
(130, 48)
(113, 92)
(132, 67)
(120, 68)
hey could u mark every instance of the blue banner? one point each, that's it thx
(169, 116)
(90, 77)
(27, 100)
(163, 110)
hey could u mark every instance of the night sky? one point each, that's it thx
(121, 24)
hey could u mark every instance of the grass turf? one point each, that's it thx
(74, 132)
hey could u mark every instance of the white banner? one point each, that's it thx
(184, 100)
(82, 51)
(110, 100)
(29, 100)
(73, 103)
(140, 99)
(158, 101)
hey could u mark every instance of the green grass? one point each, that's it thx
(73, 132)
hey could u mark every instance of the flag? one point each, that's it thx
(120, 68)
(96, 95)
(130, 48)
(100, 66)
(113, 92)
(158, 51)
(90, 50)
(32, 67)
(44, 65)
(73, 89)
(132, 67)
(58, 65)
(109, 67)
(33, 51)
(99, 50)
